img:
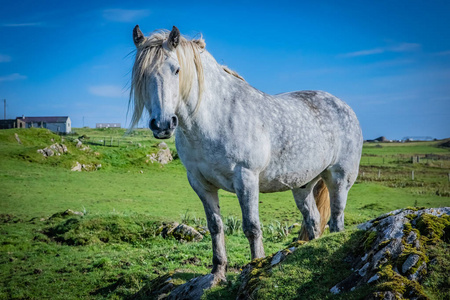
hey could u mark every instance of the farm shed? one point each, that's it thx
(8, 124)
(55, 124)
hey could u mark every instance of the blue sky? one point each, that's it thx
(389, 60)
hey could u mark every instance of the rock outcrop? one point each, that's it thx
(85, 167)
(181, 232)
(54, 149)
(395, 257)
(163, 156)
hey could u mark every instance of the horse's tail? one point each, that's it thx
(322, 198)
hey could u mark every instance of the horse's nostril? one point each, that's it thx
(173, 122)
(153, 125)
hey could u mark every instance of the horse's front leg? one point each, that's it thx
(210, 200)
(246, 185)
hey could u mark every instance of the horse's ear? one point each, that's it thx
(174, 38)
(138, 36)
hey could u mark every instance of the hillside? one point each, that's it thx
(114, 251)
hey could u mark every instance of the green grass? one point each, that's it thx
(313, 270)
(112, 252)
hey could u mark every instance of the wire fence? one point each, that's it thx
(403, 158)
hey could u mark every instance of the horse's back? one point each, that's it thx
(331, 113)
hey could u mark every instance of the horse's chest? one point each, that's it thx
(215, 162)
(211, 169)
(209, 163)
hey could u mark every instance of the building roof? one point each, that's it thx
(43, 119)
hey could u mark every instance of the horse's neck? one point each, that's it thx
(219, 90)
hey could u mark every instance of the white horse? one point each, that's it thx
(234, 137)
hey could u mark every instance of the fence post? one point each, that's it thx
(379, 174)
(412, 174)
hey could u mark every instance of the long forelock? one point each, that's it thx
(150, 55)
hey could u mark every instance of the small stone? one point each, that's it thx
(77, 167)
(48, 152)
(17, 138)
(335, 290)
(410, 262)
(186, 233)
(363, 270)
(70, 212)
(412, 236)
(365, 226)
(293, 226)
(180, 232)
(276, 258)
(373, 278)
(416, 276)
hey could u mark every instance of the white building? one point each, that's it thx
(55, 124)
(107, 125)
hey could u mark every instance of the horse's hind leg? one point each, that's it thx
(246, 185)
(339, 181)
(304, 198)
(210, 200)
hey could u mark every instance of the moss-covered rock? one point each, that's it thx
(396, 252)
(181, 232)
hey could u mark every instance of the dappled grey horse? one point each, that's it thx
(234, 137)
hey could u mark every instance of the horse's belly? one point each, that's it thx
(284, 182)
(281, 175)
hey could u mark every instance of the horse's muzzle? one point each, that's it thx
(163, 130)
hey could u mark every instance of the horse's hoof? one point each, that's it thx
(194, 288)
(219, 279)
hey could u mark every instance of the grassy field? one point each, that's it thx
(113, 250)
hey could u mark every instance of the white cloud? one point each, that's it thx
(12, 77)
(23, 24)
(442, 53)
(4, 58)
(364, 52)
(402, 47)
(125, 15)
(111, 91)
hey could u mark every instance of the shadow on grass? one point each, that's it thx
(313, 270)
(151, 289)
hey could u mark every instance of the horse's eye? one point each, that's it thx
(177, 71)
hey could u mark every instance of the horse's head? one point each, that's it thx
(155, 80)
